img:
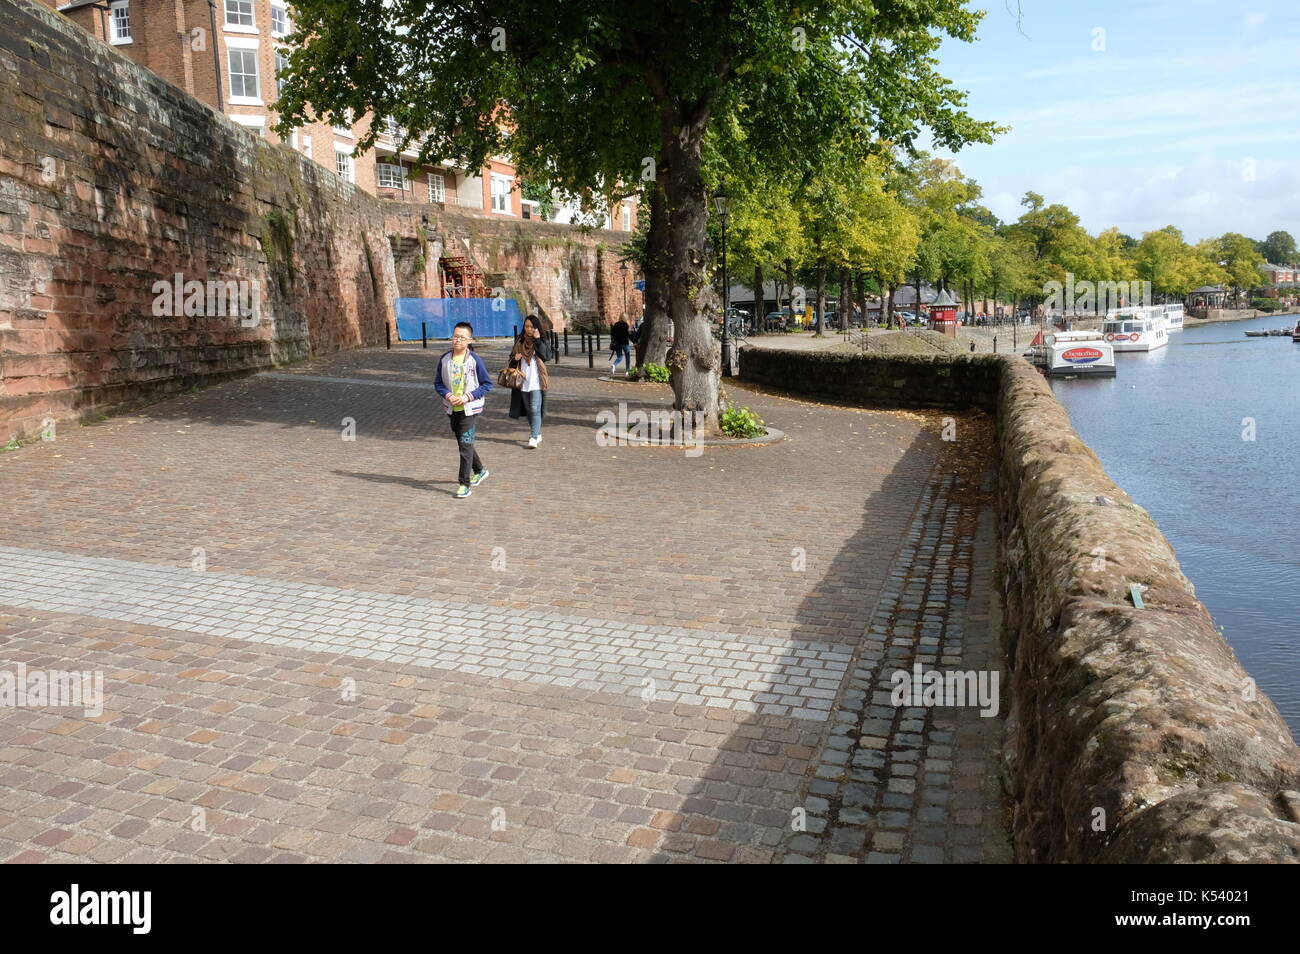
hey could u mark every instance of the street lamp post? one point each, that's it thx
(721, 202)
(623, 268)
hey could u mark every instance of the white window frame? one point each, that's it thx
(306, 146)
(288, 24)
(237, 27)
(282, 53)
(342, 149)
(115, 38)
(256, 124)
(347, 129)
(627, 216)
(509, 183)
(243, 45)
(437, 187)
(385, 169)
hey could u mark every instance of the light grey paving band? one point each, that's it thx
(748, 673)
(421, 386)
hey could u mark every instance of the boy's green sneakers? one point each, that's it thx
(478, 478)
(463, 491)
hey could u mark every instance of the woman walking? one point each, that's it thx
(529, 358)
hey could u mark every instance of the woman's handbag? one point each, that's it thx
(512, 378)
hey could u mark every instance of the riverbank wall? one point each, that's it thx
(1133, 734)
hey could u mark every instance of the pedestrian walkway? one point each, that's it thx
(311, 651)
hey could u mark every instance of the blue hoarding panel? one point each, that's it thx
(491, 317)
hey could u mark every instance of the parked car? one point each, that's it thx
(783, 319)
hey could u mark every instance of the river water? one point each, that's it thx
(1169, 430)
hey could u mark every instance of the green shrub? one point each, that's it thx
(655, 372)
(1265, 304)
(741, 422)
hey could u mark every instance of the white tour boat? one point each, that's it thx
(1085, 353)
(1139, 328)
(1173, 318)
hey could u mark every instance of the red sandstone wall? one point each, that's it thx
(558, 271)
(112, 179)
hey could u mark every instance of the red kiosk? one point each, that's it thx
(943, 315)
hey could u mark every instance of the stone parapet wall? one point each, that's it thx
(1145, 714)
(1133, 735)
(873, 380)
(111, 180)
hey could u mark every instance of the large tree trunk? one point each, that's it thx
(693, 305)
(789, 284)
(862, 299)
(652, 343)
(759, 306)
(846, 300)
(821, 296)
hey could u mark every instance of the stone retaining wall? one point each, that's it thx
(111, 180)
(874, 380)
(1133, 735)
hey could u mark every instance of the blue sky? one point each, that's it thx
(1188, 115)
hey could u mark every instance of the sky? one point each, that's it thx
(1138, 114)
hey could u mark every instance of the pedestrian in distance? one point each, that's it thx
(462, 381)
(529, 358)
(619, 337)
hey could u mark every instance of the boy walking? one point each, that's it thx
(462, 380)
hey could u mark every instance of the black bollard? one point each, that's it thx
(516, 332)
(388, 336)
(424, 335)
(597, 340)
(995, 344)
(566, 342)
(591, 355)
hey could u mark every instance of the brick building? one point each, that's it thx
(227, 54)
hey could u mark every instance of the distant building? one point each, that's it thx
(1278, 274)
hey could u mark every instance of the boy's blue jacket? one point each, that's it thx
(477, 383)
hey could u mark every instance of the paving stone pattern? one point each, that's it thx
(910, 783)
(370, 670)
(678, 665)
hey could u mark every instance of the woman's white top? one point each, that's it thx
(531, 380)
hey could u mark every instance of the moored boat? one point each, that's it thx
(1173, 317)
(1138, 328)
(1084, 353)
(1295, 332)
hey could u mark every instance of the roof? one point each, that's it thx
(1207, 289)
(78, 4)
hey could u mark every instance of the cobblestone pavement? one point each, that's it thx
(311, 652)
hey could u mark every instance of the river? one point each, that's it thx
(1171, 429)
